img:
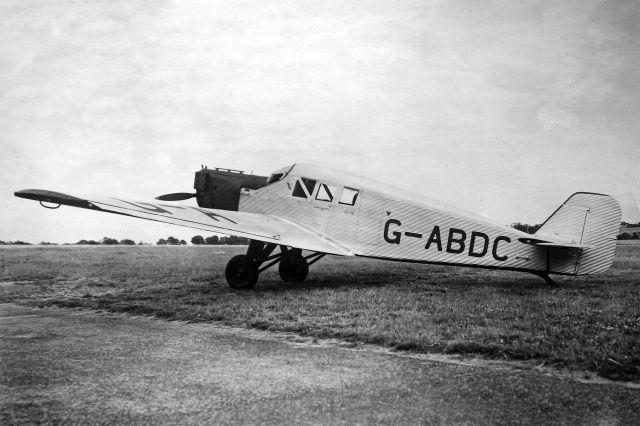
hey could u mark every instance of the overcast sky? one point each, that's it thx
(502, 108)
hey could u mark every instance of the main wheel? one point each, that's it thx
(241, 272)
(293, 267)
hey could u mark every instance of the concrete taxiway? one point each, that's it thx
(64, 366)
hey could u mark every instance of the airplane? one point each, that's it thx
(323, 211)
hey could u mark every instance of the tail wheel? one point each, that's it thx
(241, 272)
(293, 267)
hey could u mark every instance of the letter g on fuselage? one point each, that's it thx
(396, 235)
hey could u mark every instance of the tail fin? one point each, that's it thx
(590, 221)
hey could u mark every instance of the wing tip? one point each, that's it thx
(52, 197)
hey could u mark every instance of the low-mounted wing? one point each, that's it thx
(261, 227)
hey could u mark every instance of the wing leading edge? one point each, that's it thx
(267, 228)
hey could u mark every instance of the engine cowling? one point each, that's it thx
(220, 188)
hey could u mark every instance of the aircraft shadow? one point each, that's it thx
(519, 283)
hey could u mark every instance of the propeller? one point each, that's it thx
(176, 196)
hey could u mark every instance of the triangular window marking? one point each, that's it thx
(329, 191)
(310, 184)
(298, 191)
(325, 193)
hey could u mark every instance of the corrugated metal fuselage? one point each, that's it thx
(386, 223)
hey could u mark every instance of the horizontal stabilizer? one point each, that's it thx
(559, 244)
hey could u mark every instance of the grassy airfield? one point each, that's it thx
(588, 323)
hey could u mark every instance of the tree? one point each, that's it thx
(630, 225)
(635, 236)
(529, 229)
(214, 240)
(233, 240)
(109, 241)
(161, 242)
(173, 241)
(624, 236)
(127, 242)
(183, 243)
(197, 240)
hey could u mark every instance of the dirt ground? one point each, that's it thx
(85, 367)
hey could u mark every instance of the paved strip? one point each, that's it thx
(63, 366)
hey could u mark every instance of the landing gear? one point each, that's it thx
(293, 267)
(243, 270)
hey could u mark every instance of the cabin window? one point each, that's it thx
(349, 196)
(304, 187)
(325, 192)
(310, 184)
(279, 174)
(275, 177)
(298, 191)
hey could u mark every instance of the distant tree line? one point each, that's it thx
(107, 242)
(199, 240)
(628, 236)
(631, 234)
(629, 225)
(215, 240)
(529, 229)
(171, 241)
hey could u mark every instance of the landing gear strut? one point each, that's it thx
(243, 270)
(547, 278)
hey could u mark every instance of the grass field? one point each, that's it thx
(590, 323)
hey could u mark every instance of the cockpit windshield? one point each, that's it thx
(279, 175)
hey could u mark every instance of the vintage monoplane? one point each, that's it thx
(324, 211)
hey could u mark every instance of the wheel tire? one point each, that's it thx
(241, 272)
(293, 268)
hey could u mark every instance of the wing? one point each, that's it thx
(261, 227)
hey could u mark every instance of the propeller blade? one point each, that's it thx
(176, 196)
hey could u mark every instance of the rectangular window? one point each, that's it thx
(349, 196)
(325, 192)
